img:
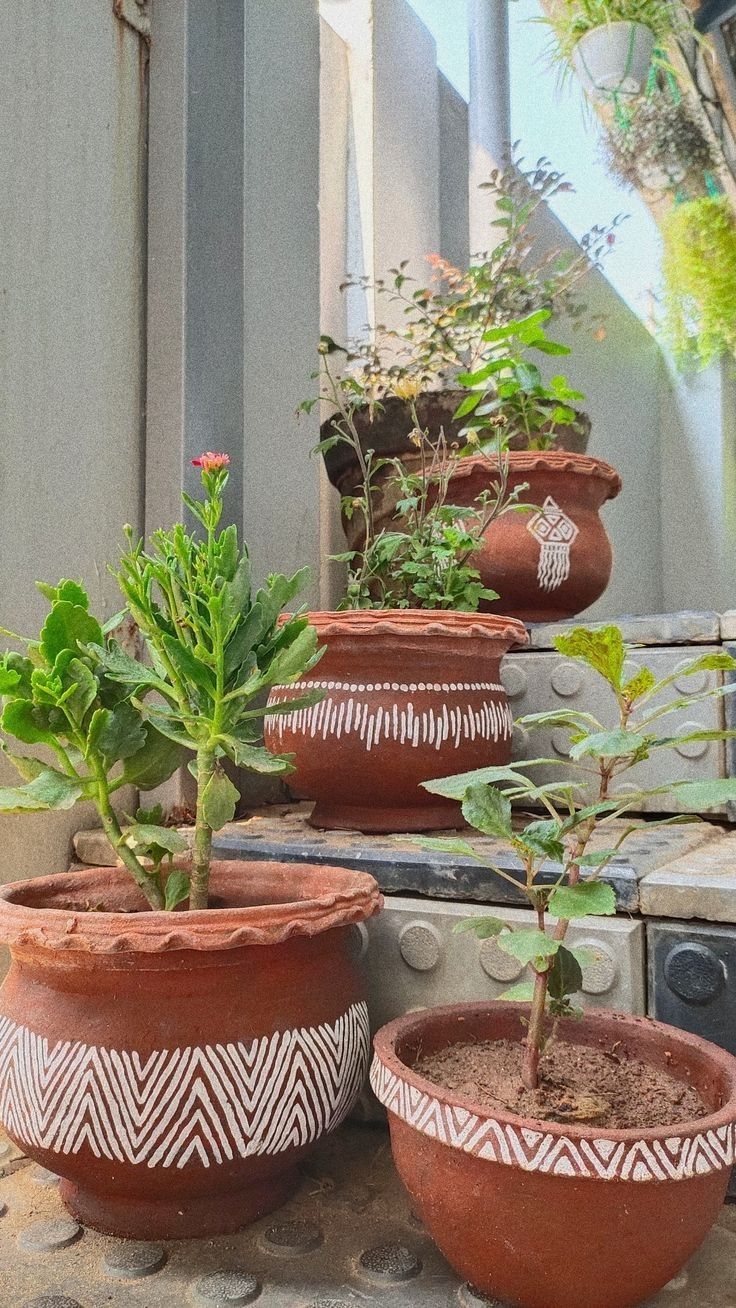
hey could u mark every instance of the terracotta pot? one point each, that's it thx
(410, 695)
(174, 1069)
(551, 564)
(546, 1216)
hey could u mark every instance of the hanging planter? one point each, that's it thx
(660, 147)
(614, 59)
(699, 270)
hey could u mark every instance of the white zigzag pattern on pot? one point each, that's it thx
(674, 1159)
(410, 726)
(211, 1103)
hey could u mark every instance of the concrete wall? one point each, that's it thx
(73, 104)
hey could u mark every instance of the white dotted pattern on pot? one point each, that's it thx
(675, 1158)
(209, 1103)
(410, 725)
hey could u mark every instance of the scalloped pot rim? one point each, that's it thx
(430, 1109)
(556, 461)
(419, 622)
(287, 900)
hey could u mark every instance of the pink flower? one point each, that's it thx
(210, 462)
(610, 239)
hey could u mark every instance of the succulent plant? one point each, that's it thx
(661, 147)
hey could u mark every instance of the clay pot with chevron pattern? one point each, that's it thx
(174, 1068)
(541, 1215)
(410, 694)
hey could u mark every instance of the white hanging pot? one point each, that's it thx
(614, 59)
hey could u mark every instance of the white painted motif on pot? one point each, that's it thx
(203, 1104)
(451, 724)
(675, 1158)
(556, 532)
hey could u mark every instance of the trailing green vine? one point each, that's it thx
(699, 271)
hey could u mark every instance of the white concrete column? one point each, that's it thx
(489, 120)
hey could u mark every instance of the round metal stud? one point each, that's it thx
(567, 679)
(420, 946)
(497, 964)
(599, 976)
(694, 973)
(225, 1289)
(131, 1260)
(46, 1237)
(292, 1238)
(513, 679)
(51, 1301)
(390, 1264)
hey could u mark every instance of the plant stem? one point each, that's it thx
(202, 850)
(535, 1033)
(148, 883)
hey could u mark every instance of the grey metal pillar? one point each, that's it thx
(489, 121)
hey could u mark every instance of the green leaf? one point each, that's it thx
(488, 810)
(117, 733)
(640, 684)
(25, 766)
(530, 946)
(65, 590)
(293, 661)
(565, 975)
(9, 679)
(703, 795)
(602, 648)
(254, 757)
(285, 706)
(190, 669)
(176, 890)
(219, 799)
(154, 763)
(521, 993)
(544, 837)
(588, 898)
(68, 626)
(27, 722)
(166, 724)
(147, 836)
(610, 744)
(114, 622)
(598, 858)
(457, 786)
(86, 689)
(120, 667)
(447, 845)
(49, 790)
(571, 718)
(236, 593)
(468, 405)
(482, 927)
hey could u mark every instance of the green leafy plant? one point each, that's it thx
(426, 561)
(215, 647)
(444, 332)
(573, 831)
(571, 19)
(58, 699)
(699, 271)
(660, 146)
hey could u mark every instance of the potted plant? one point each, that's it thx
(607, 1139)
(611, 44)
(699, 271)
(411, 671)
(174, 1034)
(661, 147)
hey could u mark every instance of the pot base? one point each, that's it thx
(349, 817)
(183, 1219)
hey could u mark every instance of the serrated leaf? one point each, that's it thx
(602, 648)
(49, 790)
(521, 993)
(703, 795)
(155, 762)
(27, 722)
(456, 787)
(190, 668)
(447, 845)
(219, 800)
(609, 744)
(597, 858)
(594, 898)
(485, 928)
(254, 757)
(120, 667)
(176, 890)
(640, 684)
(85, 693)
(529, 946)
(68, 626)
(25, 766)
(8, 680)
(144, 835)
(488, 810)
(565, 976)
(544, 837)
(117, 733)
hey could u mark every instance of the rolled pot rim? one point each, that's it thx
(386, 1038)
(559, 461)
(338, 898)
(419, 622)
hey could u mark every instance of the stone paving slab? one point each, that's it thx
(701, 883)
(686, 628)
(349, 1239)
(283, 832)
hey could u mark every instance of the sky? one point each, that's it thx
(549, 120)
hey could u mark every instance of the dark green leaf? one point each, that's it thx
(254, 757)
(219, 799)
(191, 670)
(86, 689)
(588, 898)
(154, 763)
(117, 733)
(565, 976)
(488, 810)
(609, 744)
(543, 837)
(176, 890)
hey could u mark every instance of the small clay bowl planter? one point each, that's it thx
(409, 694)
(540, 1215)
(174, 1068)
(614, 59)
(550, 564)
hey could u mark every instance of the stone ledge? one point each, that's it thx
(700, 884)
(685, 628)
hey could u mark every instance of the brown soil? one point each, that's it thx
(604, 1088)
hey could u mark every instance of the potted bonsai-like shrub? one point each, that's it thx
(174, 1034)
(607, 1139)
(611, 43)
(411, 671)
